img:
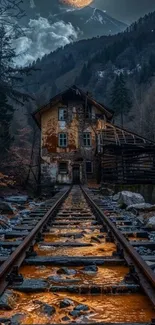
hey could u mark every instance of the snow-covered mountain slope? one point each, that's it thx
(88, 20)
(91, 21)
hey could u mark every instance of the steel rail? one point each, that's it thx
(146, 275)
(18, 256)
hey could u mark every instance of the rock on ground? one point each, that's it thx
(47, 309)
(8, 300)
(90, 268)
(17, 199)
(81, 307)
(66, 303)
(151, 223)
(65, 270)
(106, 191)
(127, 198)
(17, 318)
(5, 207)
(141, 207)
(78, 310)
(65, 319)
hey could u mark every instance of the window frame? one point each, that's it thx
(63, 171)
(87, 139)
(59, 139)
(92, 167)
(64, 118)
(89, 111)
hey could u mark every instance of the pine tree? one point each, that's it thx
(6, 115)
(85, 75)
(11, 76)
(120, 99)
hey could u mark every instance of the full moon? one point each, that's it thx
(77, 3)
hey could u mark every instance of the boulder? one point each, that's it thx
(6, 207)
(66, 303)
(127, 198)
(144, 207)
(151, 223)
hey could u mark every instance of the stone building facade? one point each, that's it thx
(69, 126)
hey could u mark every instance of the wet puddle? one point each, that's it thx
(82, 237)
(104, 275)
(44, 307)
(133, 308)
(105, 249)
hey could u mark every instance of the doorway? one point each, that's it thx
(76, 174)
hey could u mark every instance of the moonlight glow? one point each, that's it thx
(78, 3)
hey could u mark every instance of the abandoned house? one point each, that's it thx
(79, 143)
(69, 126)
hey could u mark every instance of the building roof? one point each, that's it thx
(112, 136)
(37, 114)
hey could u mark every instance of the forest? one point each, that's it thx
(117, 70)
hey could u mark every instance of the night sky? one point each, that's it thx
(41, 36)
(126, 10)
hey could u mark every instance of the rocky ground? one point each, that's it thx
(135, 204)
(13, 208)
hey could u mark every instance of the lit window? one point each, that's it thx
(89, 167)
(86, 139)
(62, 114)
(63, 168)
(63, 140)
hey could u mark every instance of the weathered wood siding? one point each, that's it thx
(75, 125)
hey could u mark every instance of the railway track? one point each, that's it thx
(74, 260)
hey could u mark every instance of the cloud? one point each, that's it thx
(41, 37)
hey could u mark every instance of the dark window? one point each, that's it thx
(63, 140)
(63, 168)
(89, 167)
(88, 111)
(86, 139)
(62, 114)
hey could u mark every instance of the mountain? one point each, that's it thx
(89, 21)
(125, 51)
(93, 65)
